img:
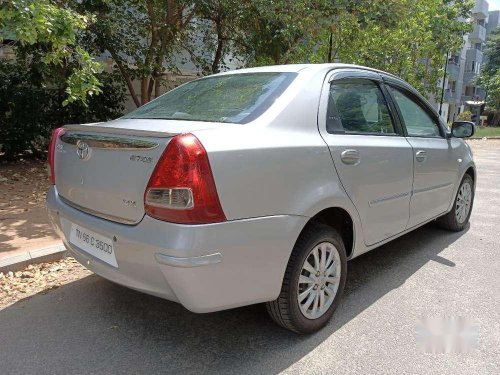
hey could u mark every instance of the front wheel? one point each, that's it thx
(458, 217)
(314, 281)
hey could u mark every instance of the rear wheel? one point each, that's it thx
(458, 217)
(314, 281)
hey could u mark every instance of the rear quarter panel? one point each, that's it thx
(269, 172)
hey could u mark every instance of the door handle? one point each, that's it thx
(421, 155)
(350, 157)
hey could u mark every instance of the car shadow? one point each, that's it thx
(95, 326)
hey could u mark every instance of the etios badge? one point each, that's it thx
(82, 150)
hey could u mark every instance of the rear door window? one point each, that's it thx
(358, 106)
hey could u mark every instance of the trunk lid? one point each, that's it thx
(103, 169)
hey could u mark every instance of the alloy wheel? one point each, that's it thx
(319, 280)
(463, 202)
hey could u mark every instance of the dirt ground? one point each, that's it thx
(38, 278)
(24, 224)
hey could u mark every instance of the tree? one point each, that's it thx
(212, 37)
(465, 116)
(404, 37)
(141, 36)
(31, 105)
(53, 27)
(281, 31)
(257, 32)
(490, 75)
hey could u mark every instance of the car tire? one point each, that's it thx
(316, 244)
(456, 220)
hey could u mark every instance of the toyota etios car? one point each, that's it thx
(258, 185)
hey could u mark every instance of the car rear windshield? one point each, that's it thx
(233, 98)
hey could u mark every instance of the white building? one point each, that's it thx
(464, 66)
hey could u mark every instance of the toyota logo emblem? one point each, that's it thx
(83, 150)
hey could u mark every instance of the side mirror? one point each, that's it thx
(463, 129)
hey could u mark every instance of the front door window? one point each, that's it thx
(417, 121)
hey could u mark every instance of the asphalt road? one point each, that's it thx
(94, 326)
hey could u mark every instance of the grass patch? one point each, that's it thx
(487, 132)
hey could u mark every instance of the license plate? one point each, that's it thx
(99, 246)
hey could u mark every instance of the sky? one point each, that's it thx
(494, 4)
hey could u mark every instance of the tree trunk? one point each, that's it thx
(217, 57)
(330, 47)
(125, 76)
(152, 81)
(220, 46)
(144, 90)
(157, 88)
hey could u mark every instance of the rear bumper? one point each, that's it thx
(204, 267)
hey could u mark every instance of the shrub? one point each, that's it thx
(464, 116)
(30, 107)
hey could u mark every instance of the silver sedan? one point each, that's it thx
(258, 185)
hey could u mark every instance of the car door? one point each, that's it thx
(435, 162)
(370, 154)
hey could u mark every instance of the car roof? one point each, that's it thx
(295, 68)
(298, 68)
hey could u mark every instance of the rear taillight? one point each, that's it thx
(56, 133)
(182, 187)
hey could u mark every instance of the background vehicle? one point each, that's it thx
(258, 186)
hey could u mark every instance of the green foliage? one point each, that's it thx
(490, 76)
(30, 107)
(280, 31)
(54, 27)
(212, 37)
(464, 116)
(143, 37)
(405, 37)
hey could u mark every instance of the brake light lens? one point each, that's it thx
(56, 133)
(182, 188)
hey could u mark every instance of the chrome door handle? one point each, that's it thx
(421, 155)
(350, 157)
